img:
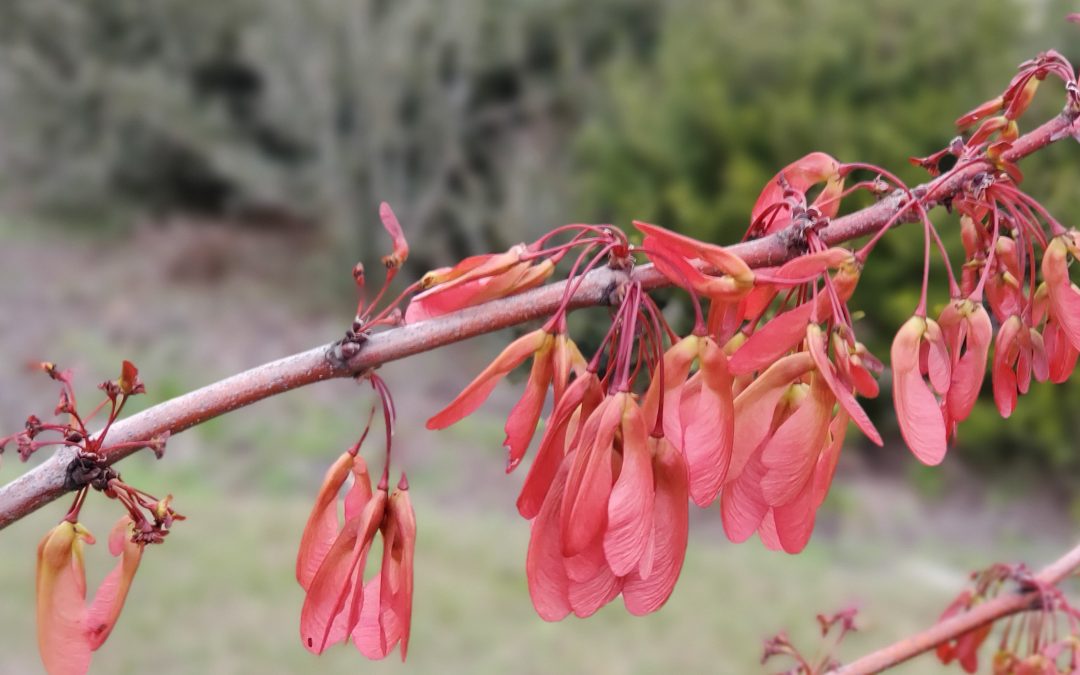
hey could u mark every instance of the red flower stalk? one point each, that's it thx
(787, 329)
(921, 422)
(68, 630)
(772, 212)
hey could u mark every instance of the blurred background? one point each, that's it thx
(187, 185)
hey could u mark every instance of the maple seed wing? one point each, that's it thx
(477, 391)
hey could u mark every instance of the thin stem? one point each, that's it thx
(977, 294)
(695, 299)
(657, 320)
(409, 290)
(580, 228)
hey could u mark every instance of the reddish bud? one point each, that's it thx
(129, 382)
(401, 247)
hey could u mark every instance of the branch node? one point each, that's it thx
(86, 470)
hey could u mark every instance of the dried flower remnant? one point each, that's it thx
(69, 629)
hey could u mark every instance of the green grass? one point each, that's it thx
(219, 596)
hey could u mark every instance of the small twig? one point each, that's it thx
(951, 628)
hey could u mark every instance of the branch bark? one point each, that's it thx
(953, 627)
(45, 483)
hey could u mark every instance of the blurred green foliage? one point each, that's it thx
(305, 115)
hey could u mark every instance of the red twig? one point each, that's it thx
(45, 482)
(983, 613)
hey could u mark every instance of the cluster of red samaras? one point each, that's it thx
(332, 560)
(340, 605)
(751, 408)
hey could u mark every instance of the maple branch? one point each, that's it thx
(955, 626)
(46, 482)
